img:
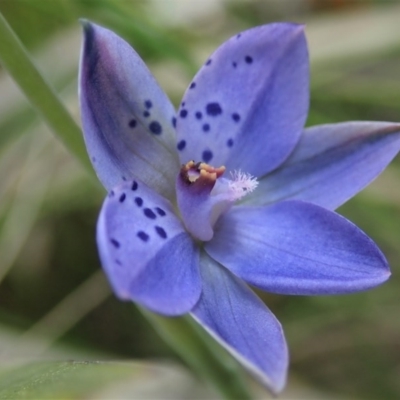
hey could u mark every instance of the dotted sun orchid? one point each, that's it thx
(231, 189)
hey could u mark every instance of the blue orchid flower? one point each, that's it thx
(231, 189)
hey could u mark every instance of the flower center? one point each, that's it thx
(203, 195)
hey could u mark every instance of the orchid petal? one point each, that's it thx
(295, 247)
(145, 252)
(242, 323)
(247, 106)
(127, 119)
(331, 164)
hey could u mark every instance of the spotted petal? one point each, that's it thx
(242, 323)
(146, 253)
(331, 164)
(127, 119)
(295, 247)
(247, 106)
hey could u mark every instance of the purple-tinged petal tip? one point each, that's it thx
(126, 117)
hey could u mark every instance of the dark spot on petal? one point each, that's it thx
(183, 104)
(115, 243)
(122, 198)
(206, 127)
(132, 123)
(229, 143)
(148, 104)
(112, 193)
(155, 127)
(146, 114)
(208, 62)
(181, 145)
(207, 155)
(213, 109)
(94, 159)
(161, 212)
(192, 85)
(183, 113)
(143, 236)
(248, 59)
(134, 185)
(149, 213)
(199, 115)
(234, 65)
(161, 232)
(123, 178)
(238, 35)
(174, 122)
(118, 262)
(139, 201)
(236, 117)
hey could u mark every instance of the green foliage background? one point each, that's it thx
(54, 300)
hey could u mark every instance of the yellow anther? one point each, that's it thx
(209, 168)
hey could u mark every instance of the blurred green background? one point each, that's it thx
(54, 300)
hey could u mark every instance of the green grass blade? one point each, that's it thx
(16, 60)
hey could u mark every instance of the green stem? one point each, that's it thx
(181, 333)
(210, 363)
(16, 60)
